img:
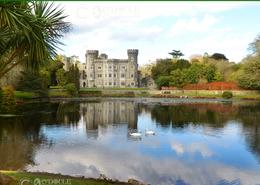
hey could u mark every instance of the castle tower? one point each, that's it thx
(132, 55)
(132, 67)
(91, 55)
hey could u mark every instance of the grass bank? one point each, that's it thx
(122, 92)
(28, 178)
(237, 94)
(25, 95)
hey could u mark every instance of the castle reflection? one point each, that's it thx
(108, 113)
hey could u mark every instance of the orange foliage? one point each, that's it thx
(208, 86)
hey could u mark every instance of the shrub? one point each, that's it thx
(227, 95)
(8, 100)
(71, 89)
(32, 82)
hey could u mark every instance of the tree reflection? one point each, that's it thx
(215, 115)
(68, 113)
(18, 139)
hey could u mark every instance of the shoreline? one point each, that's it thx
(60, 94)
(17, 177)
(141, 99)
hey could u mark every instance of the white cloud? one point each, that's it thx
(225, 41)
(178, 148)
(191, 148)
(183, 26)
(122, 163)
(134, 34)
(113, 27)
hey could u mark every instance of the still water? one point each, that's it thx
(196, 142)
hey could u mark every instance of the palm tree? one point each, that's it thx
(176, 54)
(29, 33)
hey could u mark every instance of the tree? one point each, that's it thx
(32, 81)
(146, 70)
(218, 56)
(250, 77)
(181, 64)
(193, 74)
(29, 33)
(176, 54)
(46, 78)
(210, 73)
(254, 47)
(61, 77)
(73, 76)
(163, 67)
(52, 67)
(178, 78)
(163, 81)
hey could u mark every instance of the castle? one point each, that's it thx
(100, 71)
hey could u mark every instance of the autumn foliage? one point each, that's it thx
(208, 86)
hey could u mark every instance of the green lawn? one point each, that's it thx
(24, 95)
(17, 177)
(58, 93)
(56, 87)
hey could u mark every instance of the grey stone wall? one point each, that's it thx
(104, 72)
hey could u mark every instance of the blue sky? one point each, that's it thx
(155, 28)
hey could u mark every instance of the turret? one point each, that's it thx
(103, 56)
(132, 55)
(91, 55)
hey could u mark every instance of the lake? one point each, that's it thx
(196, 142)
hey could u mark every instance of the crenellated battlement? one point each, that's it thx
(132, 51)
(92, 52)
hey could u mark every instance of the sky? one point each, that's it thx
(156, 28)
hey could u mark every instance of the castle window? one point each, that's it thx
(122, 67)
(99, 67)
(122, 83)
(110, 83)
(114, 75)
(114, 67)
(114, 83)
(132, 75)
(122, 75)
(132, 84)
(110, 67)
(110, 75)
(99, 75)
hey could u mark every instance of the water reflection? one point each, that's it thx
(105, 113)
(195, 143)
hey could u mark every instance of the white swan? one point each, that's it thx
(149, 132)
(135, 134)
